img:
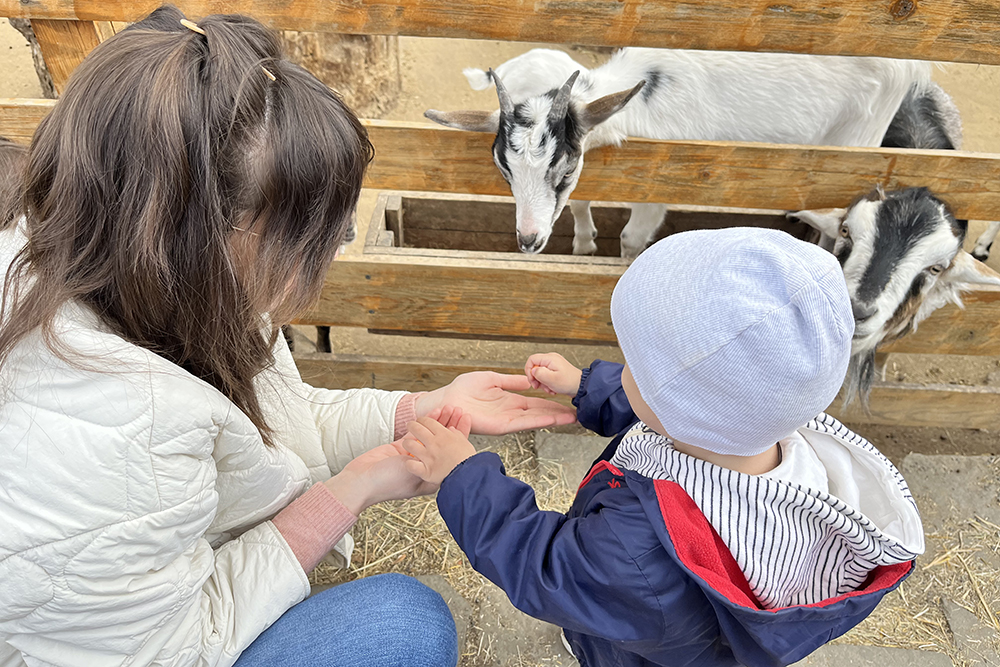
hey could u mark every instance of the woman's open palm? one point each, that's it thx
(487, 398)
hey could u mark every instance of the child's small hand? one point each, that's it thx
(436, 448)
(551, 372)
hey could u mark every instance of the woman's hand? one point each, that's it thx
(437, 448)
(551, 372)
(377, 475)
(485, 398)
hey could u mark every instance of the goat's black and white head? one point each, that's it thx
(902, 257)
(539, 148)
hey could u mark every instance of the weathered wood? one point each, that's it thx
(340, 371)
(940, 405)
(487, 224)
(948, 406)
(20, 117)
(974, 330)
(363, 69)
(523, 297)
(64, 45)
(949, 30)
(423, 157)
(23, 26)
(556, 298)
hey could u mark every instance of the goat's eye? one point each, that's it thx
(845, 232)
(935, 270)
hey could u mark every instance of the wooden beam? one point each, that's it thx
(974, 330)
(550, 298)
(413, 156)
(947, 406)
(340, 371)
(557, 298)
(940, 405)
(20, 117)
(424, 157)
(64, 45)
(948, 30)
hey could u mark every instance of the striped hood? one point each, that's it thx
(813, 529)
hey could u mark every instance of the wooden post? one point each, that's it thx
(64, 45)
(363, 69)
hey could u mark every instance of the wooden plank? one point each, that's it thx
(447, 292)
(552, 298)
(20, 117)
(412, 156)
(949, 30)
(424, 157)
(974, 330)
(340, 371)
(64, 45)
(940, 405)
(948, 406)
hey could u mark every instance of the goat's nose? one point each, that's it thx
(529, 243)
(862, 311)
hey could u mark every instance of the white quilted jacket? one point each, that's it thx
(135, 498)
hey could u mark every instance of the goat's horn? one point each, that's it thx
(506, 106)
(560, 105)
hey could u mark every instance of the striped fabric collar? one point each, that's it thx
(795, 545)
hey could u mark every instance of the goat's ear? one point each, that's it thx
(600, 110)
(471, 120)
(824, 220)
(968, 270)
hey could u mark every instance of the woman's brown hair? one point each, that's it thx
(184, 184)
(13, 157)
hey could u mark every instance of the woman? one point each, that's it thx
(165, 476)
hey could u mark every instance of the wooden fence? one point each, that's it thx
(402, 290)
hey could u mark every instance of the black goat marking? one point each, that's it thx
(918, 123)
(654, 79)
(844, 252)
(959, 228)
(566, 135)
(902, 221)
(500, 143)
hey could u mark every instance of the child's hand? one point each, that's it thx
(553, 373)
(436, 448)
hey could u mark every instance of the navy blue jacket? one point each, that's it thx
(633, 572)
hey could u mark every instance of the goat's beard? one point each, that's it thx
(860, 377)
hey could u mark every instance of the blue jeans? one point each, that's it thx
(389, 620)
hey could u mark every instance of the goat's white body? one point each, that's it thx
(719, 96)
(769, 97)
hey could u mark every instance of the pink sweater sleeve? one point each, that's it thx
(406, 412)
(313, 523)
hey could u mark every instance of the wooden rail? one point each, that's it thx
(550, 298)
(945, 30)
(425, 157)
(943, 406)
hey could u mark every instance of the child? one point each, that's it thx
(726, 523)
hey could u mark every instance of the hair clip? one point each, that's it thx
(191, 25)
(269, 74)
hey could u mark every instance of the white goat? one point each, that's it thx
(902, 258)
(928, 118)
(543, 128)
